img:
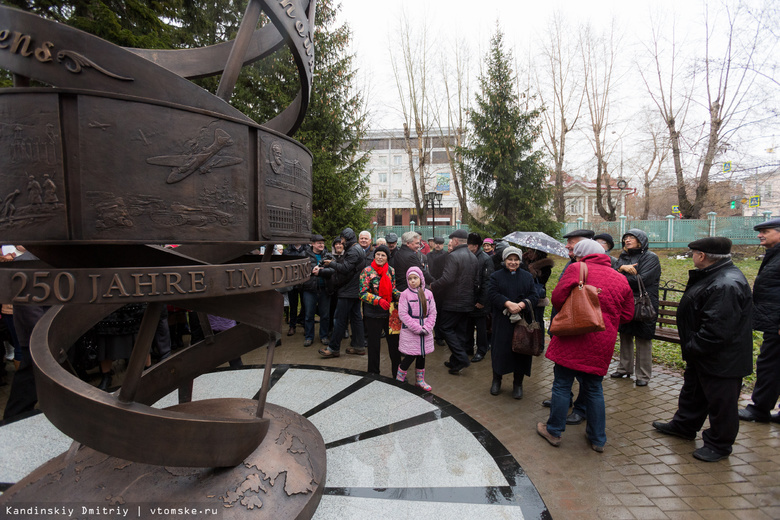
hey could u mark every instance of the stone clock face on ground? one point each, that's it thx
(389, 447)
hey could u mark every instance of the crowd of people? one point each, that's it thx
(469, 296)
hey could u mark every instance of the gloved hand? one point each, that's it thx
(384, 304)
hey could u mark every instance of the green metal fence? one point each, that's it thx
(426, 231)
(674, 232)
(667, 233)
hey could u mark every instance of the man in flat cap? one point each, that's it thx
(478, 315)
(456, 289)
(766, 318)
(608, 243)
(716, 339)
(392, 245)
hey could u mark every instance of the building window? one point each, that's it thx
(381, 159)
(396, 160)
(398, 217)
(397, 176)
(382, 194)
(574, 207)
(383, 178)
(397, 194)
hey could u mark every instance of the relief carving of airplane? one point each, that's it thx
(203, 161)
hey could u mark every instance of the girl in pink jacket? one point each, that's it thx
(417, 311)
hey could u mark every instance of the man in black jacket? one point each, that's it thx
(766, 318)
(295, 293)
(478, 315)
(347, 270)
(407, 256)
(315, 293)
(717, 345)
(456, 290)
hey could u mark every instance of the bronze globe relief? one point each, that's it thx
(123, 151)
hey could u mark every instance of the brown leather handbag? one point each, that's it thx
(581, 312)
(528, 337)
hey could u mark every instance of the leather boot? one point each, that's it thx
(495, 388)
(517, 387)
(105, 382)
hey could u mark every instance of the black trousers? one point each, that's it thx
(347, 311)
(478, 324)
(454, 329)
(374, 328)
(767, 388)
(408, 360)
(704, 395)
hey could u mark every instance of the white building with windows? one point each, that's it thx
(580, 200)
(391, 201)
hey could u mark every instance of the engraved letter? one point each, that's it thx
(116, 285)
(4, 34)
(152, 284)
(169, 284)
(196, 278)
(278, 275)
(230, 285)
(95, 278)
(253, 281)
(289, 6)
(42, 53)
(24, 41)
(300, 28)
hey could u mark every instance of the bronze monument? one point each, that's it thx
(120, 151)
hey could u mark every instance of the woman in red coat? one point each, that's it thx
(586, 356)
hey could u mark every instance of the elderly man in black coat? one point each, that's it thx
(717, 345)
(456, 289)
(478, 315)
(766, 318)
(408, 255)
(346, 269)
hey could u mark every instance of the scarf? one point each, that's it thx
(385, 284)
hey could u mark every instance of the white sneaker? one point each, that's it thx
(9, 351)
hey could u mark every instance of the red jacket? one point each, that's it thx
(592, 352)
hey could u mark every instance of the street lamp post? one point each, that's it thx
(433, 197)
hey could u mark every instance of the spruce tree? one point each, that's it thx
(335, 120)
(505, 173)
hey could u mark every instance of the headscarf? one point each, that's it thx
(587, 247)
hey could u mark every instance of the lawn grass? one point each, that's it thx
(674, 270)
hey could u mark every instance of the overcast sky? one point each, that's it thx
(523, 22)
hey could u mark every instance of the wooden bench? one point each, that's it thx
(668, 300)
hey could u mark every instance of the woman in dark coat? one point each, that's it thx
(511, 289)
(540, 268)
(636, 259)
